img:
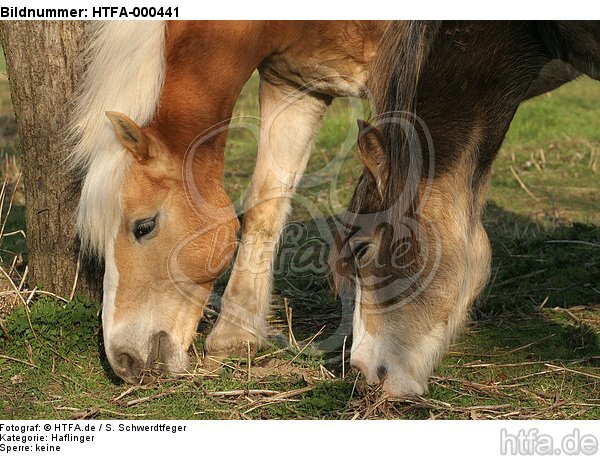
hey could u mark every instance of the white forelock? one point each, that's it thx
(125, 73)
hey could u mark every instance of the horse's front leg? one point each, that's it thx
(289, 122)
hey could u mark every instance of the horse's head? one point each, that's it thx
(407, 265)
(371, 269)
(164, 256)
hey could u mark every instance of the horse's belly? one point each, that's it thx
(334, 78)
(331, 57)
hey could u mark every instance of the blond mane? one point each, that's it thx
(125, 73)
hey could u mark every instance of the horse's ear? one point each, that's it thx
(371, 150)
(130, 135)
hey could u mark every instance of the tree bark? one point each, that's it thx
(45, 67)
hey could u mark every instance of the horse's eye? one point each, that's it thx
(360, 249)
(144, 227)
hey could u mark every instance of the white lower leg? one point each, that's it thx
(282, 158)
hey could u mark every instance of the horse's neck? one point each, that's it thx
(471, 88)
(209, 62)
(207, 66)
(469, 91)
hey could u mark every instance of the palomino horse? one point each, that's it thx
(152, 202)
(413, 251)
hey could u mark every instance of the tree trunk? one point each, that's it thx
(45, 67)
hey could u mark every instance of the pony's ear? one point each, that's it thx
(371, 151)
(130, 135)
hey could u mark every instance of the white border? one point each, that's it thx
(290, 438)
(349, 9)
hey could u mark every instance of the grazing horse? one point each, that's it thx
(149, 128)
(152, 202)
(412, 250)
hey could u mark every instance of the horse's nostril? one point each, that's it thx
(126, 362)
(160, 353)
(381, 372)
(128, 366)
(172, 358)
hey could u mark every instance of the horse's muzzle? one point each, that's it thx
(164, 356)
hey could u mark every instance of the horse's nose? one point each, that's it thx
(372, 376)
(359, 366)
(163, 356)
(129, 366)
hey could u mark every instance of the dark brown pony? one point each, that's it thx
(412, 250)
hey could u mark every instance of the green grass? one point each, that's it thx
(553, 145)
(531, 350)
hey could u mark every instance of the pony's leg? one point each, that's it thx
(289, 123)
